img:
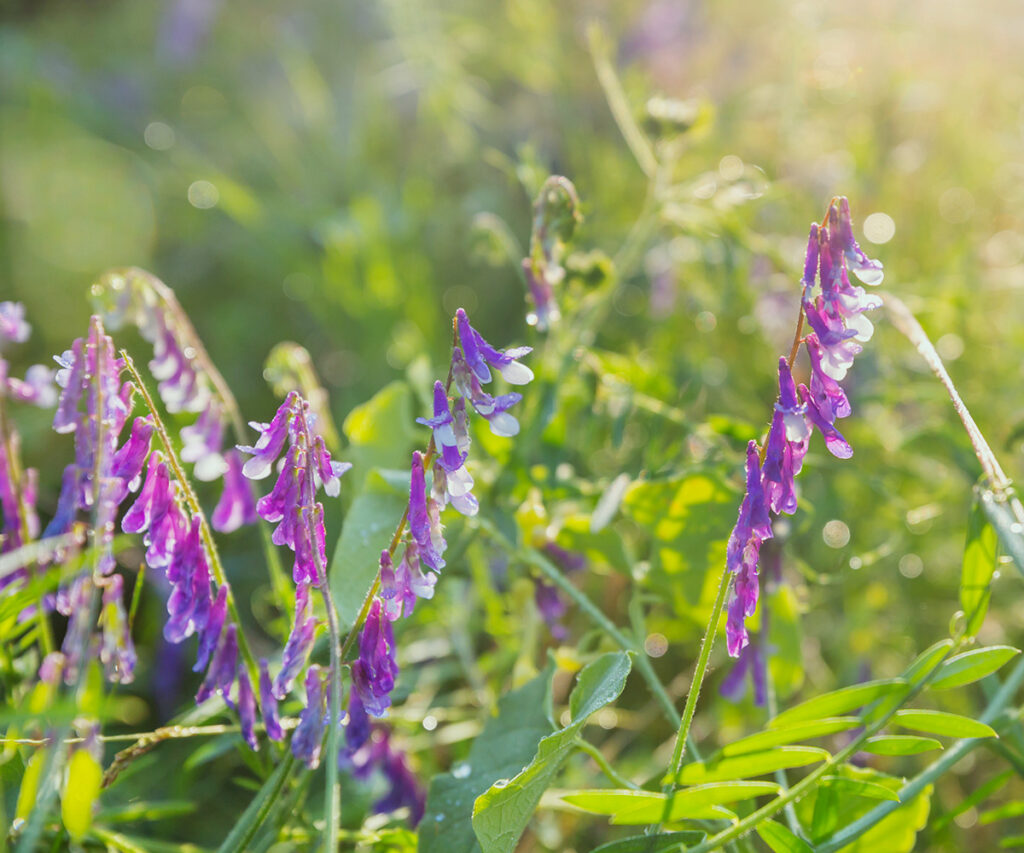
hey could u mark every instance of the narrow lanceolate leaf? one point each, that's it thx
(661, 843)
(1003, 812)
(925, 662)
(941, 723)
(790, 734)
(838, 702)
(701, 802)
(899, 745)
(972, 666)
(845, 786)
(980, 555)
(976, 796)
(501, 813)
(256, 812)
(750, 764)
(780, 839)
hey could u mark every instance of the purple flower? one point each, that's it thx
(834, 441)
(221, 674)
(247, 708)
(357, 729)
(751, 660)
(189, 603)
(551, 607)
(271, 441)
(373, 675)
(13, 326)
(268, 705)
(481, 356)
(309, 733)
(209, 633)
(404, 789)
(117, 652)
(450, 456)
(300, 641)
(202, 443)
(236, 506)
(401, 586)
(424, 517)
(787, 446)
(36, 388)
(867, 270)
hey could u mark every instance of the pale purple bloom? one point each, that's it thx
(450, 456)
(117, 652)
(36, 388)
(834, 441)
(247, 708)
(221, 674)
(268, 705)
(867, 270)
(202, 443)
(357, 729)
(236, 506)
(750, 660)
(13, 326)
(299, 643)
(373, 675)
(551, 607)
(400, 586)
(306, 741)
(209, 633)
(481, 356)
(424, 517)
(190, 601)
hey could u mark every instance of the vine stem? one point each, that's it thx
(551, 571)
(216, 566)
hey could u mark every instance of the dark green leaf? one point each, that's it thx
(500, 814)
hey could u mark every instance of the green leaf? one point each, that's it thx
(628, 807)
(838, 702)
(899, 745)
(687, 519)
(941, 723)
(81, 791)
(750, 764)
(500, 814)
(780, 839)
(663, 842)
(972, 666)
(980, 559)
(507, 743)
(367, 529)
(845, 786)
(256, 812)
(790, 734)
(925, 662)
(379, 432)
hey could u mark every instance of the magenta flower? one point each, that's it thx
(309, 734)
(236, 506)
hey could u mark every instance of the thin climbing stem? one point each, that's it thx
(216, 566)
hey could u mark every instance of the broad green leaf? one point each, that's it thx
(500, 814)
(980, 556)
(925, 662)
(838, 702)
(380, 431)
(507, 743)
(972, 666)
(845, 786)
(688, 520)
(366, 531)
(661, 843)
(81, 791)
(638, 807)
(941, 723)
(795, 733)
(750, 764)
(781, 839)
(899, 745)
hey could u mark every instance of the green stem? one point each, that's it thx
(216, 566)
(937, 768)
(602, 763)
(551, 571)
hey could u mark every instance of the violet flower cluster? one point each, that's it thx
(375, 670)
(305, 467)
(834, 308)
(184, 379)
(19, 522)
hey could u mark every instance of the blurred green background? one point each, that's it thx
(316, 171)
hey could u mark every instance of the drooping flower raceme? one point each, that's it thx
(834, 308)
(375, 672)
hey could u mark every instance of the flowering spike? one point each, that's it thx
(268, 705)
(423, 517)
(309, 733)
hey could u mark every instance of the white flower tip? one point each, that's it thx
(504, 424)
(516, 373)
